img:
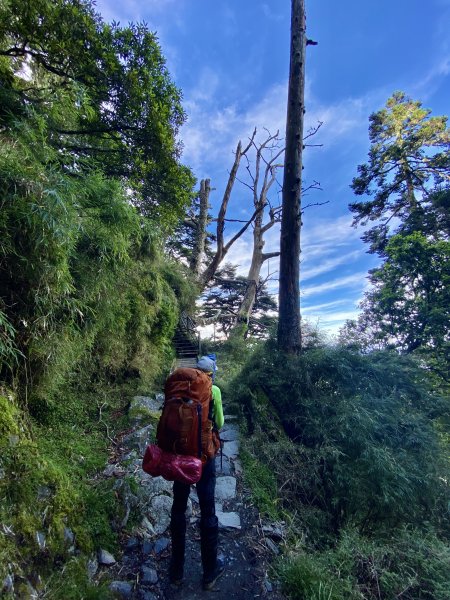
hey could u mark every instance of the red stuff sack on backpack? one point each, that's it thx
(173, 467)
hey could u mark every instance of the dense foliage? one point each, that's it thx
(408, 157)
(90, 185)
(104, 93)
(406, 183)
(346, 447)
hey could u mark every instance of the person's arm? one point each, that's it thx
(218, 410)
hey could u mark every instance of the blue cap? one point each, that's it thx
(207, 364)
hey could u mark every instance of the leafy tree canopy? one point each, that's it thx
(59, 58)
(222, 300)
(409, 156)
(410, 299)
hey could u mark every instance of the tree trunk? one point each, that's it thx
(245, 310)
(289, 336)
(200, 229)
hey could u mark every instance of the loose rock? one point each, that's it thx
(272, 546)
(159, 513)
(121, 589)
(92, 567)
(228, 520)
(41, 541)
(161, 545)
(237, 467)
(106, 558)
(143, 408)
(132, 545)
(43, 492)
(69, 536)
(152, 486)
(140, 439)
(148, 576)
(8, 584)
(147, 528)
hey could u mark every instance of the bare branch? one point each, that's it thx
(315, 185)
(268, 255)
(273, 219)
(250, 144)
(242, 230)
(313, 130)
(250, 187)
(314, 204)
(236, 220)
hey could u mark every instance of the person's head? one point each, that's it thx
(207, 364)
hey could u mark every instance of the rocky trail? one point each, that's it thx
(246, 543)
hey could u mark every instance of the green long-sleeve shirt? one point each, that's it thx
(217, 407)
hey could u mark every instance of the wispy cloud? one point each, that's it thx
(133, 10)
(329, 265)
(427, 86)
(354, 281)
(229, 22)
(220, 127)
(326, 307)
(270, 14)
(325, 235)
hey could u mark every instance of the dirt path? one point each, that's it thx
(141, 574)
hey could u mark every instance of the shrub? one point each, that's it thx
(405, 565)
(364, 450)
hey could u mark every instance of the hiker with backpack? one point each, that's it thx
(190, 425)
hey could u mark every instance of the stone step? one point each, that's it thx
(185, 363)
(231, 449)
(228, 520)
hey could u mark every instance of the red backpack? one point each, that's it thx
(186, 425)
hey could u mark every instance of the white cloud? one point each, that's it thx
(220, 127)
(270, 14)
(428, 85)
(325, 307)
(354, 281)
(134, 10)
(328, 236)
(240, 254)
(338, 317)
(328, 265)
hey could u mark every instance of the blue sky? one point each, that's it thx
(231, 59)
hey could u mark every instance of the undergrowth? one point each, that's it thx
(350, 451)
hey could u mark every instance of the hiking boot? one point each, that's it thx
(210, 580)
(176, 573)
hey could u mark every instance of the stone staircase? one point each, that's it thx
(186, 342)
(184, 363)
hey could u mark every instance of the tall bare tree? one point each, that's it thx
(192, 240)
(199, 226)
(289, 335)
(261, 178)
(222, 247)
